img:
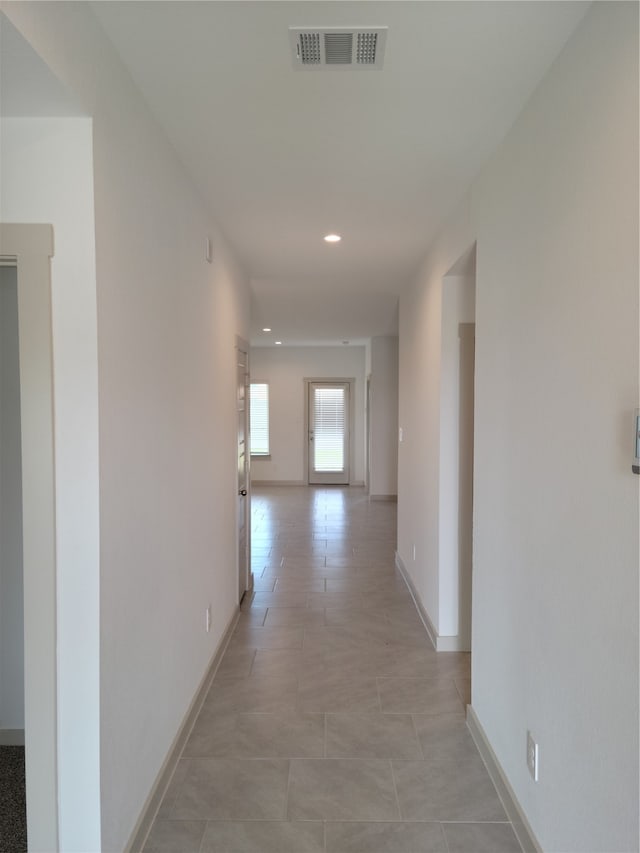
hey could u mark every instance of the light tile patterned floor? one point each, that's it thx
(332, 725)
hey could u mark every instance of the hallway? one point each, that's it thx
(331, 724)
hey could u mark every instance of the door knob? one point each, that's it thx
(242, 492)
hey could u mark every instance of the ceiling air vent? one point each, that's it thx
(337, 47)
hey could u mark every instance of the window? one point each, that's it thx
(259, 415)
(329, 424)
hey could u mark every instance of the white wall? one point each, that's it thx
(458, 306)
(284, 369)
(384, 417)
(555, 612)
(419, 451)
(167, 322)
(11, 577)
(46, 174)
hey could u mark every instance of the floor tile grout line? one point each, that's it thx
(395, 790)
(206, 824)
(444, 835)
(253, 660)
(286, 802)
(477, 821)
(326, 723)
(415, 731)
(379, 694)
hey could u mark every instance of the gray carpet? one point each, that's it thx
(13, 809)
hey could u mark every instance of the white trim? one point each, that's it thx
(422, 613)
(451, 643)
(440, 643)
(515, 813)
(255, 482)
(390, 498)
(18, 240)
(246, 585)
(140, 833)
(357, 484)
(11, 737)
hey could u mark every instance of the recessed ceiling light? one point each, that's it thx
(333, 238)
(278, 343)
(266, 329)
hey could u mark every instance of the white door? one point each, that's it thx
(328, 432)
(243, 511)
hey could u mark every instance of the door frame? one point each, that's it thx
(338, 380)
(30, 248)
(243, 347)
(367, 434)
(466, 450)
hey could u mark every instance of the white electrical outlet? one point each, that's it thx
(207, 618)
(414, 553)
(532, 756)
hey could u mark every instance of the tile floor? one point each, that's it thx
(331, 726)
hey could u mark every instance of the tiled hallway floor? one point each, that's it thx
(331, 724)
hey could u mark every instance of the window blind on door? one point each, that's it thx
(259, 418)
(329, 432)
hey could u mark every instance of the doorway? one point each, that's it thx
(29, 249)
(329, 431)
(243, 514)
(456, 453)
(13, 816)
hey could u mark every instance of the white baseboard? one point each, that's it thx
(255, 482)
(391, 498)
(452, 643)
(440, 643)
(11, 737)
(521, 826)
(149, 811)
(431, 631)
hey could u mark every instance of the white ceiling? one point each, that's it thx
(381, 157)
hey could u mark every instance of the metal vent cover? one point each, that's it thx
(337, 47)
